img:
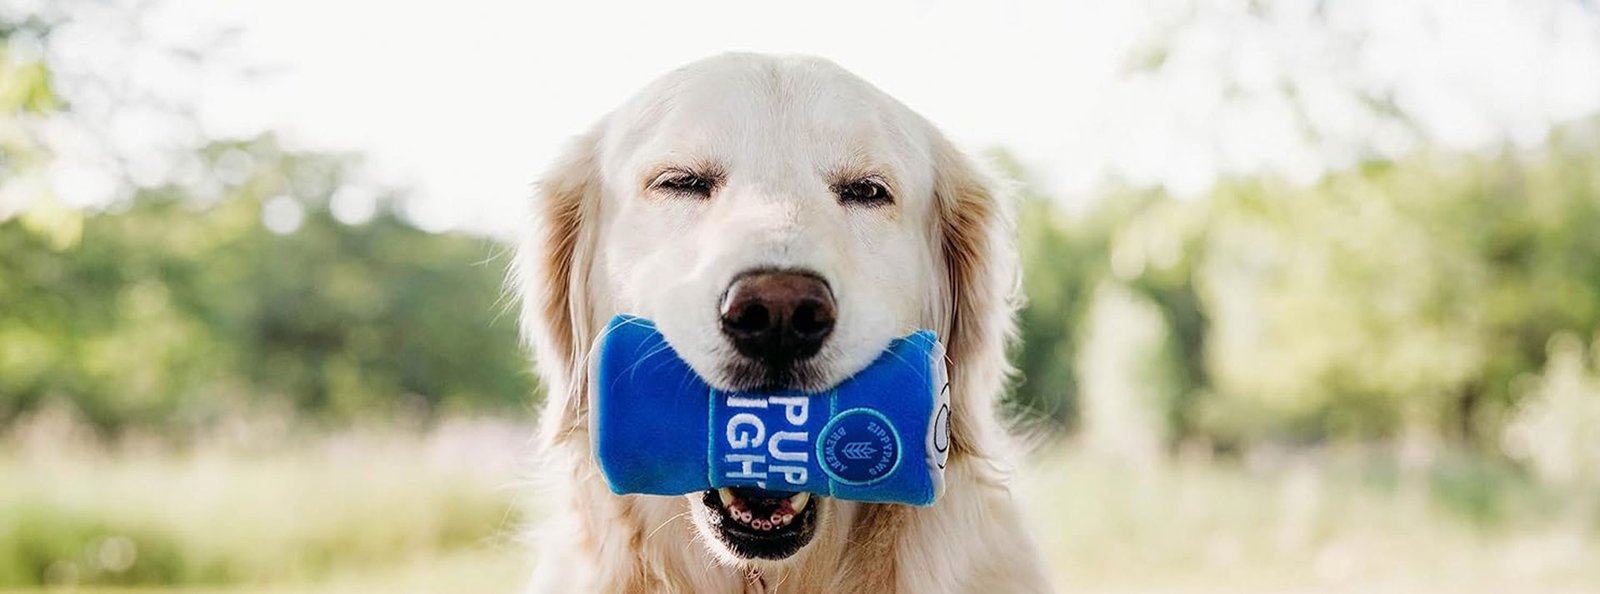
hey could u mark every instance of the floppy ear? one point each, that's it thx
(551, 273)
(980, 293)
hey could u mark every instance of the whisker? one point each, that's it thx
(664, 525)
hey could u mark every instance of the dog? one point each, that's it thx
(781, 220)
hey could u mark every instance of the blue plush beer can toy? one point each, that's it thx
(883, 435)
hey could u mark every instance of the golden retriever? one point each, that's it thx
(851, 221)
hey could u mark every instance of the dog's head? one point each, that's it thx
(781, 220)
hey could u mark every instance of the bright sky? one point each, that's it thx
(466, 101)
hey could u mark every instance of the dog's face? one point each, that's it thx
(776, 223)
(781, 221)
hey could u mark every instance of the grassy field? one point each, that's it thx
(1331, 523)
(237, 512)
(390, 511)
(472, 570)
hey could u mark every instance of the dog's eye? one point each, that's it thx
(866, 192)
(684, 183)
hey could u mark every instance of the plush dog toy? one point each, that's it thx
(882, 435)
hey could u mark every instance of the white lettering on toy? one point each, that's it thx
(747, 464)
(795, 408)
(746, 430)
(747, 434)
(799, 454)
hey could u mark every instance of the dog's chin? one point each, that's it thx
(742, 374)
(748, 525)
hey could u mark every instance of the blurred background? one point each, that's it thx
(1313, 287)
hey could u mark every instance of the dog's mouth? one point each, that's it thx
(760, 524)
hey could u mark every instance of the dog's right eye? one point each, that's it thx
(684, 183)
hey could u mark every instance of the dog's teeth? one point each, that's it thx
(727, 496)
(776, 517)
(786, 519)
(798, 501)
(761, 525)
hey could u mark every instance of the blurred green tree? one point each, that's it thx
(1400, 296)
(175, 308)
(230, 285)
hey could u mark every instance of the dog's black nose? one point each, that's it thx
(778, 317)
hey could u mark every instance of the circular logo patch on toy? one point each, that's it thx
(859, 447)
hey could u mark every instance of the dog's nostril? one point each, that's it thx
(748, 320)
(778, 317)
(813, 318)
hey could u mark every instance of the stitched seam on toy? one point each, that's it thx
(833, 411)
(711, 438)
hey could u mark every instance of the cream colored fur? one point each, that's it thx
(940, 257)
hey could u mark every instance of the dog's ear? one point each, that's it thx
(980, 291)
(551, 274)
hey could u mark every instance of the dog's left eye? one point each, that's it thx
(684, 183)
(863, 191)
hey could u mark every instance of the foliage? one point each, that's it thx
(27, 95)
(1397, 297)
(1553, 428)
(171, 310)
